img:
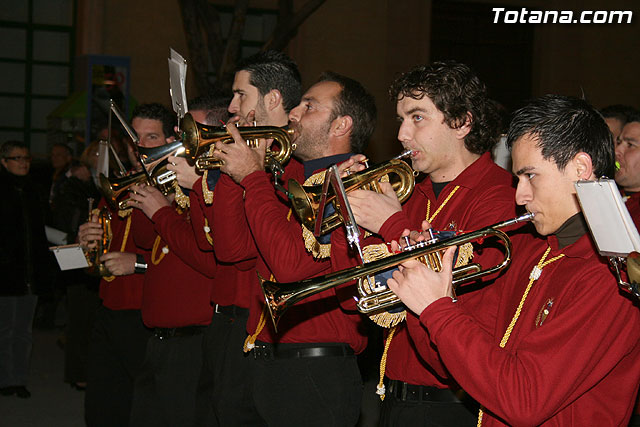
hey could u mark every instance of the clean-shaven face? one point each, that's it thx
(542, 188)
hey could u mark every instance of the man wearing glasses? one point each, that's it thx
(23, 249)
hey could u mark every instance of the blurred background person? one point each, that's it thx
(24, 262)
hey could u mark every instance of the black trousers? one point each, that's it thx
(224, 396)
(165, 389)
(116, 353)
(82, 303)
(315, 391)
(398, 413)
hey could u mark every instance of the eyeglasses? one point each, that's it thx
(19, 158)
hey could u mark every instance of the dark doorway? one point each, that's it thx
(501, 54)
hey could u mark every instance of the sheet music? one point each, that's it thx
(177, 80)
(69, 257)
(608, 218)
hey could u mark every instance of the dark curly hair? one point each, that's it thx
(155, 111)
(563, 127)
(457, 92)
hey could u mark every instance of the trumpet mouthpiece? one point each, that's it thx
(404, 154)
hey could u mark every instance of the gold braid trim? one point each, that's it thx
(207, 234)
(380, 389)
(181, 199)
(250, 342)
(317, 249)
(155, 258)
(123, 213)
(127, 228)
(535, 274)
(385, 319)
(207, 194)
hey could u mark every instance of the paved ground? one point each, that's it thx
(54, 403)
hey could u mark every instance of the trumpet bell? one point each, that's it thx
(305, 200)
(198, 137)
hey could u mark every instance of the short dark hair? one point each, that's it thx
(563, 127)
(270, 70)
(62, 145)
(215, 104)
(356, 102)
(455, 91)
(619, 112)
(633, 116)
(9, 146)
(155, 111)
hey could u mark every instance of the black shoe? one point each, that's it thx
(7, 391)
(22, 392)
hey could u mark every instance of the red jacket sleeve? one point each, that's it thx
(277, 232)
(177, 233)
(232, 239)
(541, 372)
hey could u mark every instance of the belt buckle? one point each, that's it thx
(262, 351)
(217, 309)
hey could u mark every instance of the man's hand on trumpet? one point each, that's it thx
(89, 233)
(239, 159)
(418, 286)
(186, 174)
(148, 199)
(372, 209)
(119, 263)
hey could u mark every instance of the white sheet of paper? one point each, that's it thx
(177, 81)
(608, 218)
(69, 257)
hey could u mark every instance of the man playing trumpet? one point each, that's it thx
(552, 342)
(306, 374)
(450, 125)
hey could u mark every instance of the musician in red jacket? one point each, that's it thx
(266, 87)
(117, 345)
(306, 374)
(450, 126)
(552, 341)
(628, 156)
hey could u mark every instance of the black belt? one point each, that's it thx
(421, 393)
(297, 351)
(231, 310)
(185, 331)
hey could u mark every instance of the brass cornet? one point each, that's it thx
(96, 267)
(306, 199)
(154, 162)
(280, 296)
(198, 137)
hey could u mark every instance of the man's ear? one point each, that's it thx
(465, 128)
(342, 125)
(583, 166)
(273, 99)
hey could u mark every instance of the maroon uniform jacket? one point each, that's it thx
(573, 356)
(178, 280)
(122, 292)
(230, 276)
(270, 230)
(633, 206)
(485, 196)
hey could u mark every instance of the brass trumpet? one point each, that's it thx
(96, 267)
(197, 138)
(154, 162)
(306, 199)
(280, 296)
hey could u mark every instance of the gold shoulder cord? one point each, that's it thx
(380, 389)
(123, 245)
(533, 276)
(250, 341)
